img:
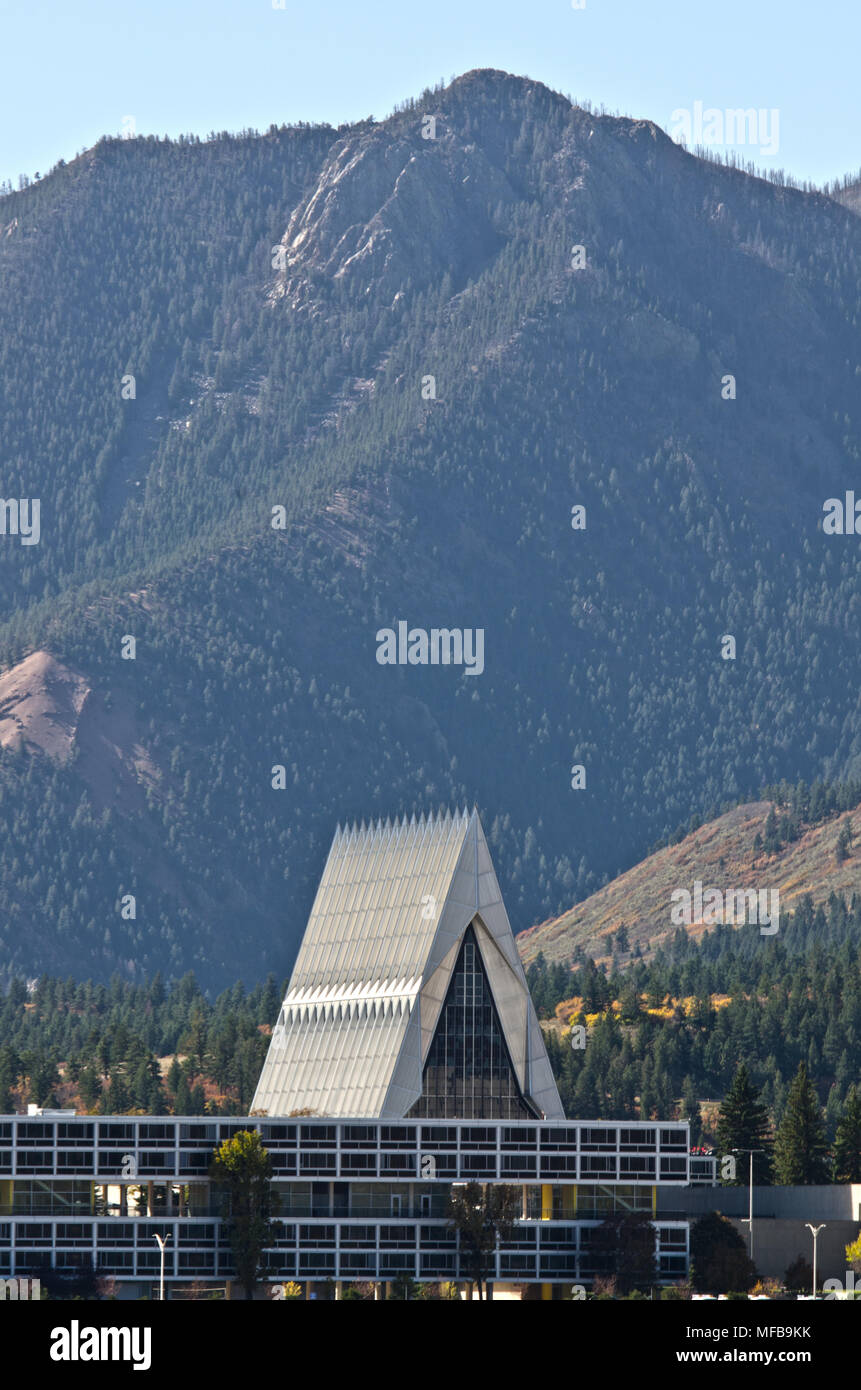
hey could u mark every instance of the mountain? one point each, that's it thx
(730, 853)
(276, 393)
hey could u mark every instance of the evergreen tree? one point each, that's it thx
(847, 1141)
(174, 1076)
(9, 1068)
(800, 1150)
(743, 1124)
(90, 1087)
(182, 1097)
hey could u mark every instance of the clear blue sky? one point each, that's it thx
(74, 69)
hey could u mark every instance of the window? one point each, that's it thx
(673, 1167)
(397, 1137)
(672, 1238)
(356, 1237)
(439, 1137)
(115, 1261)
(641, 1140)
(478, 1165)
(198, 1133)
(673, 1139)
(358, 1137)
(75, 1134)
(398, 1163)
(157, 1134)
(197, 1261)
(594, 1165)
(468, 1071)
(40, 1161)
(358, 1163)
(397, 1261)
(638, 1166)
(69, 1233)
(358, 1261)
(317, 1136)
(602, 1139)
(314, 1237)
(316, 1163)
(285, 1135)
(35, 1134)
(316, 1265)
(518, 1165)
(518, 1137)
(560, 1165)
(78, 1161)
(517, 1264)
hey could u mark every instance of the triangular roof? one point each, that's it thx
(356, 1024)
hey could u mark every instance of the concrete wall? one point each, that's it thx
(835, 1202)
(780, 1214)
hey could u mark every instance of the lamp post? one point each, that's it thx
(162, 1242)
(815, 1232)
(749, 1221)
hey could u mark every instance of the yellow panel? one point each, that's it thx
(546, 1291)
(7, 1188)
(654, 1201)
(546, 1202)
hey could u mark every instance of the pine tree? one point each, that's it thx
(9, 1068)
(800, 1150)
(743, 1124)
(847, 1142)
(691, 1109)
(182, 1098)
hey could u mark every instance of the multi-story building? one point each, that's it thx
(357, 1200)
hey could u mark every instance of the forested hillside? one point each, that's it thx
(281, 301)
(665, 1036)
(116, 1048)
(799, 842)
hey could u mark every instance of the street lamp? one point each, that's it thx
(815, 1231)
(749, 1221)
(162, 1242)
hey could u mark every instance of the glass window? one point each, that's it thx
(468, 1072)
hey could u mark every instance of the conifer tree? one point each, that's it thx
(800, 1150)
(847, 1142)
(743, 1124)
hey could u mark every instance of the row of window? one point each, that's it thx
(523, 1167)
(116, 1134)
